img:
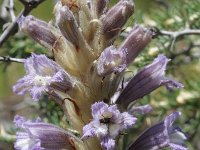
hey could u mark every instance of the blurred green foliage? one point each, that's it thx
(184, 66)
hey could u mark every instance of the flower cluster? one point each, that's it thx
(88, 68)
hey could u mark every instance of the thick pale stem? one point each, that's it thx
(78, 118)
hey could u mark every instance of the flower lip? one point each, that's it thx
(105, 120)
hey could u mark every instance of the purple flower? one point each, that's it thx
(36, 135)
(111, 60)
(147, 80)
(42, 75)
(136, 42)
(116, 60)
(107, 123)
(161, 135)
(68, 25)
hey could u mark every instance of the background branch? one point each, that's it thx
(13, 27)
(11, 10)
(176, 34)
(9, 59)
(4, 13)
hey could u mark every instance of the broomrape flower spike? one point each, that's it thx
(161, 135)
(88, 67)
(107, 123)
(37, 135)
(42, 75)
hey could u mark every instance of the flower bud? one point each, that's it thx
(81, 54)
(136, 42)
(101, 6)
(68, 25)
(98, 6)
(110, 61)
(39, 30)
(116, 17)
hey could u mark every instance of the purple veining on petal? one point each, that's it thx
(39, 135)
(136, 42)
(147, 80)
(116, 17)
(39, 30)
(161, 135)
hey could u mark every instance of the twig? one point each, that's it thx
(12, 29)
(177, 34)
(9, 59)
(4, 12)
(11, 10)
(173, 35)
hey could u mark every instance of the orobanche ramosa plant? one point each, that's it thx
(85, 77)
